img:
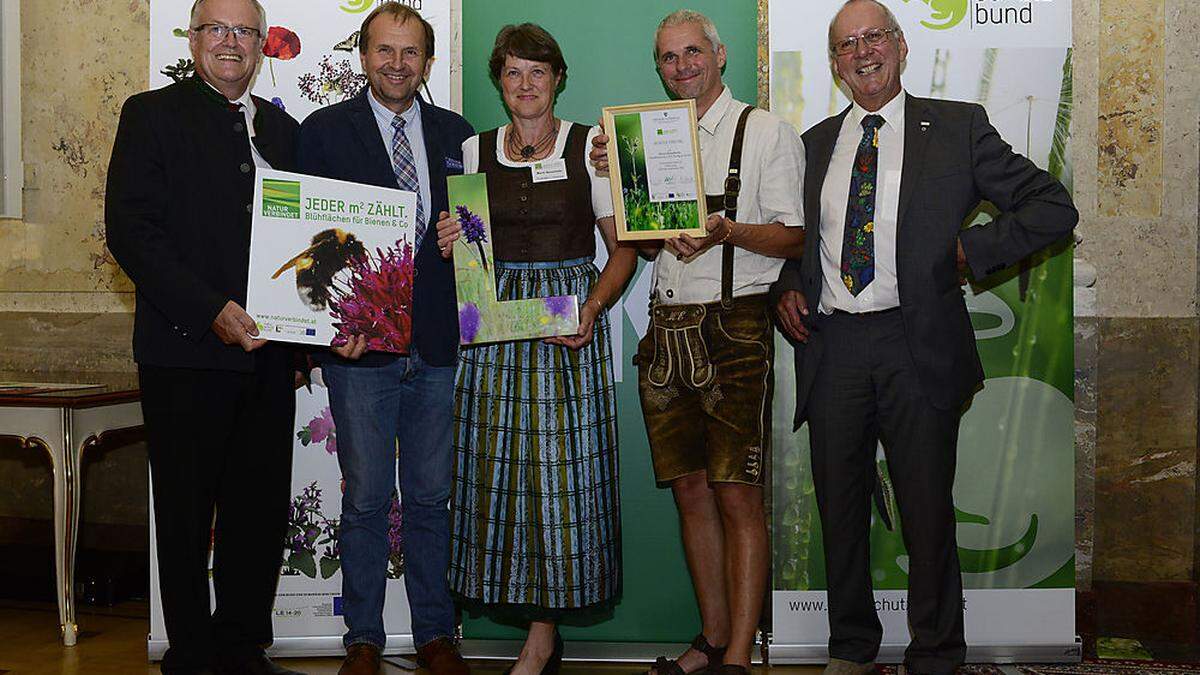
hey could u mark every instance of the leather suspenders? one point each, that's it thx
(728, 202)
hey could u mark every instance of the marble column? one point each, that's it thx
(1140, 232)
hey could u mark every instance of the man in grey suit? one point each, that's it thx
(884, 342)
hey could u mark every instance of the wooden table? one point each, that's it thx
(65, 424)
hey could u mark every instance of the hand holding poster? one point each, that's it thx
(330, 260)
(481, 316)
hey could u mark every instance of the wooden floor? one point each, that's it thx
(113, 642)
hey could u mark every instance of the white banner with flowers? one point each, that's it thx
(310, 54)
(310, 61)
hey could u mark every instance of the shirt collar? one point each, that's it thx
(716, 112)
(248, 107)
(892, 113)
(245, 100)
(385, 116)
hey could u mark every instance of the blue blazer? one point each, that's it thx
(342, 141)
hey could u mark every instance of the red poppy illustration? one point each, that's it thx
(281, 44)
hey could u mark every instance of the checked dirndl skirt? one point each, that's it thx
(535, 508)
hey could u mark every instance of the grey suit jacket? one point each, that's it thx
(953, 160)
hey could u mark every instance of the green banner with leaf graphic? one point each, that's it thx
(1014, 488)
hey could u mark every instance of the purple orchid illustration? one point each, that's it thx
(308, 528)
(468, 322)
(474, 231)
(395, 539)
(559, 305)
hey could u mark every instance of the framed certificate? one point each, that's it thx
(654, 170)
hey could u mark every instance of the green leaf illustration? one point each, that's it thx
(303, 561)
(329, 566)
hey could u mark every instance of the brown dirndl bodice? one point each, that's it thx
(536, 222)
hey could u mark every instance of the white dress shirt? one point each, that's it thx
(882, 292)
(416, 140)
(602, 204)
(772, 173)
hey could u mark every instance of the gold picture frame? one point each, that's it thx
(644, 205)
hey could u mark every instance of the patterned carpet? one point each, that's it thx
(1090, 667)
(1112, 667)
(972, 669)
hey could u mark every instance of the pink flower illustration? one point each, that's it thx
(320, 429)
(377, 300)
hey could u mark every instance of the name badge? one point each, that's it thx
(548, 170)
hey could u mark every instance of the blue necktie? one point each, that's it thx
(406, 172)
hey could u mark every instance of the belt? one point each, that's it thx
(864, 315)
(755, 300)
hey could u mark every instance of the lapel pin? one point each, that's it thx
(925, 125)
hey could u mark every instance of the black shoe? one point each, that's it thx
(554, 663)
(713, 656)
(257, 665)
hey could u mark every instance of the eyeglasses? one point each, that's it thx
(871, 38)
(217, 32)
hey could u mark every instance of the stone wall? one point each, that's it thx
(64, 303)
(1139, 232)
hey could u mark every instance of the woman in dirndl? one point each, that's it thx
(535, 510)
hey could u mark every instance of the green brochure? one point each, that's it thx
(482, 317)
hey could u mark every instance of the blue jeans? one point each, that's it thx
(403, 409)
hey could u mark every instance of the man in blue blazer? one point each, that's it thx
(384, 405)
(890, 350)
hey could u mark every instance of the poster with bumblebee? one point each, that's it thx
(330, 260)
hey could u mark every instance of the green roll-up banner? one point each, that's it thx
(1014, 488)
(608, 48)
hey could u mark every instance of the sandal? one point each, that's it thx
(665, 666)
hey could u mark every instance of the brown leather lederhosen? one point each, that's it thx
(716, 357)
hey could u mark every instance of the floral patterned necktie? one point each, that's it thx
(858, 241)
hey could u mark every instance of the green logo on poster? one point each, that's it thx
(949, 13)
(360, 6)
(281, 198)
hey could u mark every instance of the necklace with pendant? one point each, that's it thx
(517, 147)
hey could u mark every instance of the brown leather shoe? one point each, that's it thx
(362, 658)
(441, 657)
